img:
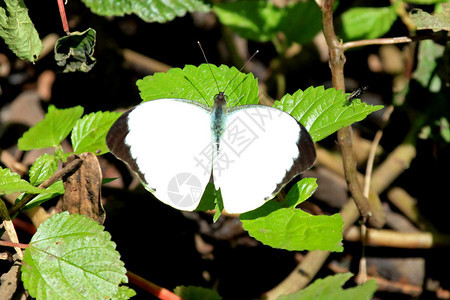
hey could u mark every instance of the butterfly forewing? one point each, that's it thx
(261, 150)
(167, 142)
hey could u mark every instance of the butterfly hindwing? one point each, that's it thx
(167, 142)
(261, 150)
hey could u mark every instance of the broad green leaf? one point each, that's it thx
(198, 84)
(44, 167)
(367, 22)
(323, 112)
(52, 130)
(427, 62)
(330, 288)
(281, 225)
(72, 257)
(89, 132)
(51, 192)
(435, 22)
(18, 31)
(262, 20)
(148, 10)
(196, 292)
(11, 182)
(75, 52)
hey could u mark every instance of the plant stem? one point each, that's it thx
(62, 12)
(55, 177)
(152, 288)
(383, 41)
(12, 244)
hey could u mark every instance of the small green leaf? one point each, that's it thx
(262, 20)
(196, 292)
(10, 183)
(75, 52)
(89, 132)
(367, 22)
(330, 288)
(124, 293)
(281, 225)
(436, 22)
(72, 257)
(444, 127)
(44, 167)
(323, 112)
(51, 192)
(18, 31)
(52, 130)
(148, 10)
(198, 84)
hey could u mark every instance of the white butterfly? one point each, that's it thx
(177, 146)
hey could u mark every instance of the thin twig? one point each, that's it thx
(75, 164)
(381, 41)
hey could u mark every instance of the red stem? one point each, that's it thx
(62, 12)
(11, 244)
(152, 288)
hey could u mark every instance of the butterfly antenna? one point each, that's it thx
(204, 56)
(251, 57)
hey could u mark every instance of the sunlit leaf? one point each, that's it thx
(281, 225)
(148, 10)
(52, 130)
(72, 257)
(330, 288)
(18, 32)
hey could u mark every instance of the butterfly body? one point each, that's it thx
(177, 146)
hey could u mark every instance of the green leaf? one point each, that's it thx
(10, 183)
(75, 52)
(18, 31)
(51, 192)
(198, 84)
(427, 62)
(323, 112)
(71, 257)
(367, 22)
(424, 2)
(52, 130)
(148, 10)
(444, 127)
(124, 293)
(262, 20)
(89, 133)
(44, 167)
(330, 288)
(281, 225)
(196, 292)
(435, 22)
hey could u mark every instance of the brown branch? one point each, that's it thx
(337, 61)
(54, 178)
